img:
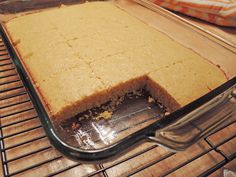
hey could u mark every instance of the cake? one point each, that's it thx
(81, 56)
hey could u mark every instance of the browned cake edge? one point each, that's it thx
(28, 72)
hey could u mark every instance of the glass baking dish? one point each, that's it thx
(96, 140)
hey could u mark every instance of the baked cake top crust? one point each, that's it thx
(81, 55)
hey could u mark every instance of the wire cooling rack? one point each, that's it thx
(26, 151)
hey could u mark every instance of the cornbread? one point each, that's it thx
(81, 56)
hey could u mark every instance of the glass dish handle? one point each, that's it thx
(187, 130)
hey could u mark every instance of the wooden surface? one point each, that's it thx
(14, 134)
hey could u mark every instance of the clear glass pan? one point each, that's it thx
(138, 118)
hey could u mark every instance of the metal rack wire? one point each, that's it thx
(22, 139)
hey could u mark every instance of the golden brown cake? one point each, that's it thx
(81, 56)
